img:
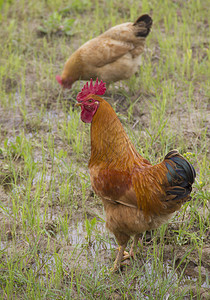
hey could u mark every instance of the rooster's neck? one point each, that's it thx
(110, 144)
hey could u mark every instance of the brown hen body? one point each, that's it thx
(112, 56)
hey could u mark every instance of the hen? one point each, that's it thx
(112, 56)
(136, 195)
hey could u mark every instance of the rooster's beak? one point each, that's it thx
(78, 104)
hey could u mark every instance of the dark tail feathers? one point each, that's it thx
(144, 24)
(181, 175)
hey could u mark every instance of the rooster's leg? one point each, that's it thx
(125, 253)
(134, 245)
(133, 248)
(118, 258)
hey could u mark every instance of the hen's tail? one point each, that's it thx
(143, 25)
(181, 176)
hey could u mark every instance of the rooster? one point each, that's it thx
(137, 196)
(112, 56)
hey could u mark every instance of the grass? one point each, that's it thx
(53, 241)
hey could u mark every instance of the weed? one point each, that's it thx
(89, 225)
(55, 24)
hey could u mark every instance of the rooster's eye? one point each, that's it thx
(90, 100)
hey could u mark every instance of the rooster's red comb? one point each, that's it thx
(96, 89)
